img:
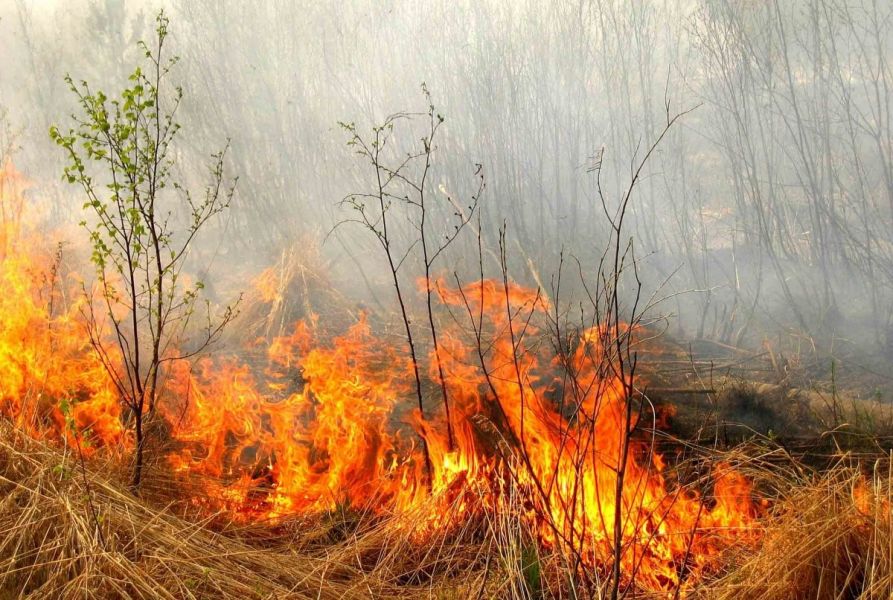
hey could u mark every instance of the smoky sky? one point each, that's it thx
(768, 206)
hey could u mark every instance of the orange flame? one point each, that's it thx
(327, 422)
(331, 423)
(46, 364)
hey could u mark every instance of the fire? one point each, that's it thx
(319, 422)
(319, 434)
(47, 367)
(323, 423)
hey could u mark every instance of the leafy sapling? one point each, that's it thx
(142, 223)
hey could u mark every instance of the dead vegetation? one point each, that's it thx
(79, 534)
(71, 530)
(830, 536)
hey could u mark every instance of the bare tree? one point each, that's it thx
(403, 181)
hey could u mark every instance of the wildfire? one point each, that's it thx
(50, 378)
(323, 422)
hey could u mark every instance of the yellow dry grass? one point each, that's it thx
(828, 537)
(72, 531)
(69, 530)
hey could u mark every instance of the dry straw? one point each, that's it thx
(70, 530)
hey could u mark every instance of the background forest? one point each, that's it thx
(767, 211)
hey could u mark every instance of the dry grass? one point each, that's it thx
(830, 536)
(66, 538)
(69, 532)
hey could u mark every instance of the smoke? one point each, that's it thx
(767, 208)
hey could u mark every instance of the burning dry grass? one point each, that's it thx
(310, 444)
(70, 530)
(829, 537)
(73, 533)
(319, 422)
